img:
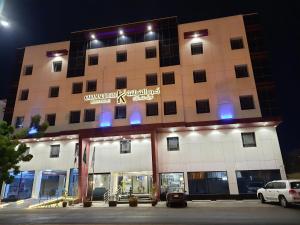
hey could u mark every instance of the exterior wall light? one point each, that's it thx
(149, 28)
(93, 36)
(121, 32)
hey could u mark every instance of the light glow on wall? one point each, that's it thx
(106, 119)
(32, 131)
(135, 118)
(226, 111)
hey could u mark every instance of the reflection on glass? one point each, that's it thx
(73, 182)
(100, 184)
(52, 184)
(171, 182)
(135, 184)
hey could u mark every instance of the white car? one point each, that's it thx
(285, 192)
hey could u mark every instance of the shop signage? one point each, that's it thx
(121, 96)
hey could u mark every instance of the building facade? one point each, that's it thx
(185, 107)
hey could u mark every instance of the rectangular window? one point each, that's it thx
(54, 151)
(241, 71)
(247, 102)
(121, 56)
(168, 78)
(150, 52)
(170, 108)
(50, 118)
(236, 43)
(93, 60)
(91, 86)
(77, 88)
(28, 70)
(125, 146)
(19, 122)
(74, 117)
(57, 66)
(151, 79)
(199, 76)
(89, 115)
(53, 92)
(248, 139)
(202, 106)
(173, 143)
(120, 112)
(24, 95)
(121, 83)
(152, 109)
(197, 48)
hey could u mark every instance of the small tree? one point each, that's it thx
(12, 151)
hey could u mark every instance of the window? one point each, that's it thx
(121, 82)
(89, 115)
(19, 122)
(28, 70)
(236, 43)
(168, 78)
(125, 146)
(57, 66)
(150, 52)
(93, 60)
(53, 92)
(24, 95)
(279, 185)
(91, 86)
(173, 143)
(246, 102)
(120, 112)
(248, 139)
(77, 88)
(54, 151)
(151, 79)
(152, 109)
(202, 106)
(197, 48)
(122, 56)
(74, 117)
(50, 118)
(241, 71)
(270, 185)
(170, 108)
(295, 185)
(199, 76)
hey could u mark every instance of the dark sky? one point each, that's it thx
(42, 21)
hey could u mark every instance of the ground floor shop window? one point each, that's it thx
(98, 185)
(73, 182)
(135, 184)
(171, 182)
(202, 183)
(21, 187)
(52, 183)
(251, 180)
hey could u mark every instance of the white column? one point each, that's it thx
(2, 190)
(36, 184)
(232, 181)
(186, 183)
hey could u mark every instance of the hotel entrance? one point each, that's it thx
(134, 183)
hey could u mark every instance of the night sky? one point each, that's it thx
(43, 21)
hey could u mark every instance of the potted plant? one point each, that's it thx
(65, 195)
(71, 202)
(133, 201)
(87, 203)
(112, 202)
(154, 196)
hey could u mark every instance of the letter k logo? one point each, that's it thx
(121, 97)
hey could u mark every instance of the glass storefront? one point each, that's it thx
(52, 184)
(170, 182)
(100, 184)
(21, 187)
(73, 182)
(251, 180)
(203, 183)
(140, 184)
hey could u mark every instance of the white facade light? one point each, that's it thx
(121, 32)
(93, 36)
(149, 28)
(4, 23)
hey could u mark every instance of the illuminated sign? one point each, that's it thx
(120, 96)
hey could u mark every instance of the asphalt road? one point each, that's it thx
(205, 213)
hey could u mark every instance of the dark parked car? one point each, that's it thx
(176, 198)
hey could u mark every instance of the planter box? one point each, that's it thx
(64, 204)
(112, 203)
(87, 204)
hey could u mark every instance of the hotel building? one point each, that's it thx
(187, 107)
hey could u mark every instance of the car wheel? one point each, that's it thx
(261, 198)
(283, 202)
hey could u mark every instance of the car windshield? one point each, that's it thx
(295, 185)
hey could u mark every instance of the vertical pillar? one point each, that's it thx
(36, 186)
(155, 176)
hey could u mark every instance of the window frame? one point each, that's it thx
(240, 69)
(25, 70)
(54, 68)
(120, 59)
(22, 122)
(198, 104)
(91, 58)
(149, 54)
(165, 78)
(88, 87)
(49, 116)
(165, 108)
(197, 48)
(24, 95)
(245, 107)
(201, 74)
(51, 92)
(148, 79)
(51, 151)
(70, 117)
(125, 142)
(177, 148)
(152, 110)
(119, 79)
(118, 107)
(85, 117)
(254, 144)
(232, 44)
(81, 87)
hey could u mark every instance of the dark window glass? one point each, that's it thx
(151, 79)
(125, 146)
(89, 115)
(202, 106)
(19, 122)
(77, 88)
(246, 102)
(74, 117)
(279, 185)
(170, 108)
(24, 95)
(173, 143)
(241, 71)
(53, 92)
(236, 43)
(28, 70)
(91, 85)
(57, 66)
(199, 76)
(248, 139)
(93, 60)
(295, 185)
(54, 151)
(168, 78)
(150, 52)
(270, 185)
(152, 109)
(197, 48)
(122, 56)
(120, 112)
(50, 118)
(121, 83)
